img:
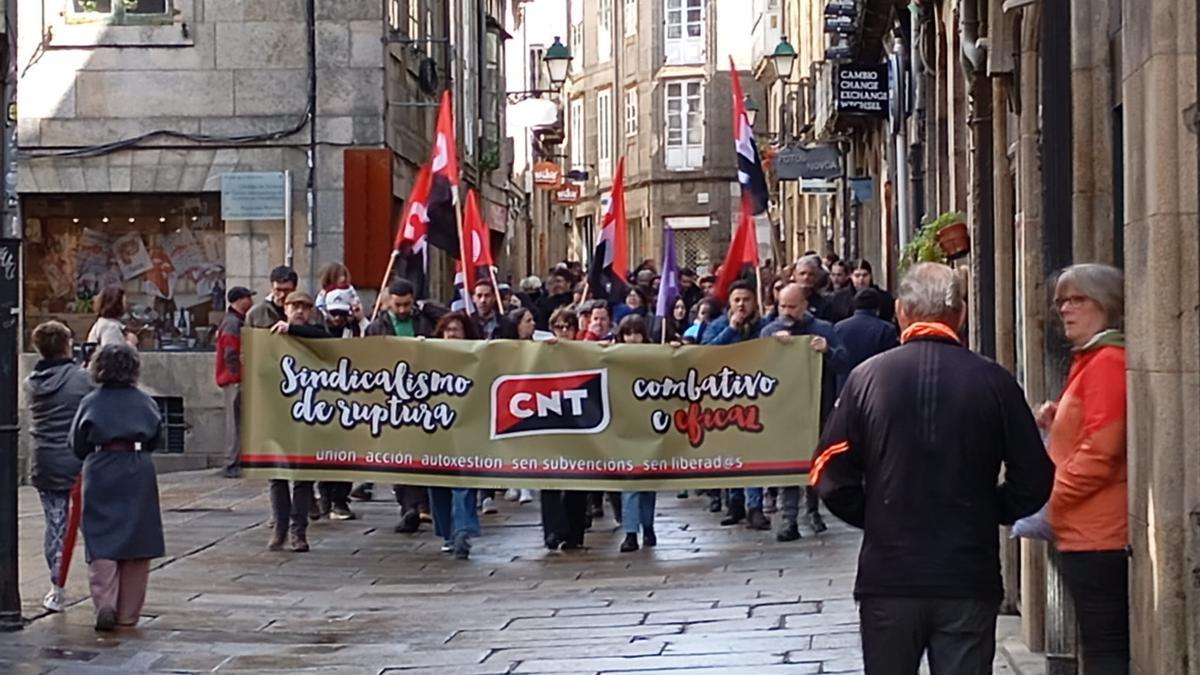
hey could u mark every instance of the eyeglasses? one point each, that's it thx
(1074, 301)
(563, 326)
(339, 313)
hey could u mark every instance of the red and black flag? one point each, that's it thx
(412, 235)
(742, 259)
(610, 265)
(443, 195)
(749, 165)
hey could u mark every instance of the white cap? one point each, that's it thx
(338, 300)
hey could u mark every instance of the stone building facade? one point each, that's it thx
(650, 82)
(1065, 133)
(129, 116)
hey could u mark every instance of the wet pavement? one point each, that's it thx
(708, 599)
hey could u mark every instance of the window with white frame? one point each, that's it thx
(120, 11)
(604, 32)
(535, 67)
(604, 135)
(684, 28)
(631, 111)
(685, 124)
(577, 140)
(577, 37)
(630, 18)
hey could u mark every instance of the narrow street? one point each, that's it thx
(365, 600)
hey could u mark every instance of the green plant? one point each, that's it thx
(924, 247)
(489, 160)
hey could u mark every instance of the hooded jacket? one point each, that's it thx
(53, 391)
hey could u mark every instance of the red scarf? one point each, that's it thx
(928, 329)
(337, 286)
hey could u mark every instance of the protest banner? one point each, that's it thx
(567, 415)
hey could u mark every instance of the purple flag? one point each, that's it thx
(668, 288)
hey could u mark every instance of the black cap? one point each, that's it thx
(237, 293)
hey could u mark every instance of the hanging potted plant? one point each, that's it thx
(941, 240)
(952, 234)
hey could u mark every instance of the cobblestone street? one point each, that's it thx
(365, 600)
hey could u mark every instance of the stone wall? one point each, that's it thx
(219, 68)
(1159, 78)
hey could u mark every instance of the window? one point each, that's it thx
(393, 15)
(490, 159)
(121, 11)
(691, 240)
(684, 28)
(604, 140)
(630, 19)
(631, 111)
(685, 124)
(577, 139)
(604, 32)
(414, 19)
(535, 68)
(577, 37)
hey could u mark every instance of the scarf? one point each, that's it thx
(929, 329)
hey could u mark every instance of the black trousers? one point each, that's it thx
(958, 634)
(333, 493)
(1099, 585)
(290, 501)
(411, 497)
(564, 516)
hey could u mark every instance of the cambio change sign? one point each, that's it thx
(862, 90)
(533, 414)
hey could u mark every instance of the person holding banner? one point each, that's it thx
(404, 317)
(564, 512)
(114, 432)
(54, 390)
(490, 323)
(340, 322)
(742, 322)
(796, 319)
(292, 503)
(636, 507)
(455, 517)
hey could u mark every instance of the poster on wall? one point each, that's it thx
(94, 264)
(160, 278)
(132, 257)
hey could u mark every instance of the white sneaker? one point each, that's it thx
(54, 599)
(526, 496)
(512, 494)
(489, 507)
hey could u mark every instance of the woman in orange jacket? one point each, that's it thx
(1087, 510)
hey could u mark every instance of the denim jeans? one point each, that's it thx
(752, 498)
(454, 512)
(638, 509)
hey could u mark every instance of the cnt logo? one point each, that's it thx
(553, 403)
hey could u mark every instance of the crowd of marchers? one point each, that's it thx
(926, 446)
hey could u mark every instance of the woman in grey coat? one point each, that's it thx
(114, 432)
(53, 392)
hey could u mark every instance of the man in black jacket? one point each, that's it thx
(404, 317)
(558, 294)
(912, 454)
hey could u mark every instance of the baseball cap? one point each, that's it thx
(299, 298)
(237, 293)
(338, 300)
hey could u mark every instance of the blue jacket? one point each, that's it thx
(836, 363)
(719, 332)
(864, 335)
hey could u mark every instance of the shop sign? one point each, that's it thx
(568, 194)
(253, 195)
(547, 175)
(862, 90)
(818, 161)
(818, 186)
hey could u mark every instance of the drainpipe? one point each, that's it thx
(310, 239)
(916, 154)
(979, 110)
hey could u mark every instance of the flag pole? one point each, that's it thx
(462, 250)
(387, 276)
(500, 310)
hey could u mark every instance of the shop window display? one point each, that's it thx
(166, 250)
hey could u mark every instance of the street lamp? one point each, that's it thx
(784, 58)
(751, 107)
(557, 60)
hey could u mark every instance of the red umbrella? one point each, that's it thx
(74, 512)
